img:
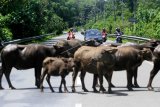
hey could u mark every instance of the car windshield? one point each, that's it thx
(93, 33)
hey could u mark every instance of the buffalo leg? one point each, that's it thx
(1, 74)
(109, 76)
(74, 75)
(95, 80)
(154, 71)
(42, 79)
(64, 83)
(129, 79)
(49, 83)
(37, 76)
(101, 83)
(82, 81)
(65, 87)
(60, 87)
(106, 77)
(135, 78)
(7, 74)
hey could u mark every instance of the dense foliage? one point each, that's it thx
(24, 18)
(134, 17)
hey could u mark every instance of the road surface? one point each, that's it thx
(27, 95)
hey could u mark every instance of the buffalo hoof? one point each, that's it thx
(130, 89)
(52, 91)
(136, 86)
(73, 90)
(38, 86)
(132, 85)
(113, 85)
(150, 89)
(85, 90)
(103, 89)
(1, 88)
(95, 90)
(110, 91)
(60, 91)
(12, 88)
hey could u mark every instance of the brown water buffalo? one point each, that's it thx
(56, 67)
(94, 60)
(70, 46)
(25, 57)
(156, 66)
(129, 59)
(147, 53)
(154, 46)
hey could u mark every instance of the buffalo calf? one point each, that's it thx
(56, 67)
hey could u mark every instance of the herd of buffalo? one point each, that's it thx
(80, 56)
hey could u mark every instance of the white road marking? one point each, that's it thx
(78, 105)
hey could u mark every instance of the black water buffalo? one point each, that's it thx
(95, 60)
(56, 67)
(70, 46)
(156, 66)
(25, 57)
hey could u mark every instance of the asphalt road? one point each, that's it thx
(27, 95)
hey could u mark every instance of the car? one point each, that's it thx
(93, 34)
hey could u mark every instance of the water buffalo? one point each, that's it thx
(129, 58)
(156, 66)
(70, 46)
(147, 53)
(56, 67)
(94, 60)
(25, 57)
